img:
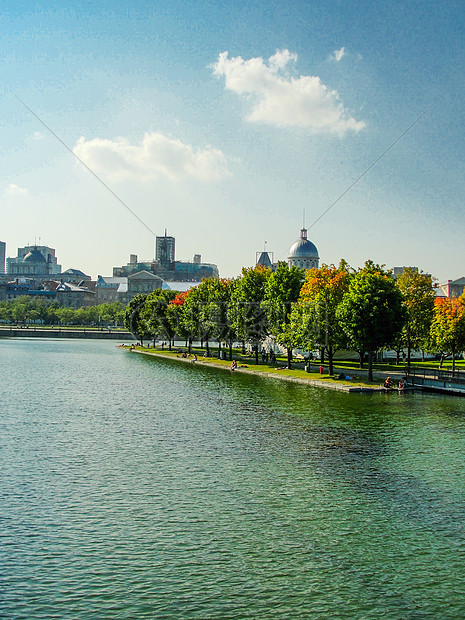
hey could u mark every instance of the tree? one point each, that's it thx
(282, 290)
(418, 299)
(371, 313)
(154, 313)
(133, 320)
(175, 316)
(247, 317)
(448, 325)
(314, 318)
(213, 314)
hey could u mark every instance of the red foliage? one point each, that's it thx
(180, 298)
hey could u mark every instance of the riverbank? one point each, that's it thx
(44, 332)
(271, 371)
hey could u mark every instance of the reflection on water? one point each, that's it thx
(136, 487)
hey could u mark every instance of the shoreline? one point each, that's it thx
(64, 332)
(329, 384)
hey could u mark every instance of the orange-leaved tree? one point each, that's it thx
(314, 319)
(448, 326)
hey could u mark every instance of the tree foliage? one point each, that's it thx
(418, 296)
(448, 325)
(281, 292)
(314, 321)
(371, 313)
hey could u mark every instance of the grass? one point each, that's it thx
(267, 368)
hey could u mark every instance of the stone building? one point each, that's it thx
(33, 260)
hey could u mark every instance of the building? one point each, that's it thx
(166, 267)
(452, 288)
(303, 253)
(143, 282)
(398, 271)
(265, 259)
(72, 296)
(25, 286)
(33, 261)
(165, 250)
(2, 257)
(75, 276)
(111, 289)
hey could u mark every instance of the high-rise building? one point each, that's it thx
(2, 257)
(164, 250)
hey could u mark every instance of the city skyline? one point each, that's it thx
(223, 123)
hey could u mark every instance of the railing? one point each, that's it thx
(437, 374)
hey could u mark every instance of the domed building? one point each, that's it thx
(303, 253)
(33, 261)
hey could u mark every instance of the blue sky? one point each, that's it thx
(224, 122)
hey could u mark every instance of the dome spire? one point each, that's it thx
(303, 230)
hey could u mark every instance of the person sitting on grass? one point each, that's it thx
(388, 383)
(233, 365)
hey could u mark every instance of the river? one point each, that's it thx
(135, 487)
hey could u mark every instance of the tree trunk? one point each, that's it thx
(360, 355)
(190, 345)
(169, 344)
(397, 357)
(370, 365)
(230, 350)
(453, 361)
(256, 354)
(289, 358)
(330, 360)
(207, 347)
(422, 355)
(243, 347)
(409, 351)
(322, 356)
(219, 349)
(441, 362)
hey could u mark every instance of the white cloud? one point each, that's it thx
(338, 55)
(156, 156)
(282, 100)
(37, 135)
(15, 190)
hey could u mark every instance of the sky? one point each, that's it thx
(228, 123)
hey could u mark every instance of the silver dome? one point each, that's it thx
(303, 248)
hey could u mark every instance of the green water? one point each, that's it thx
(141, 488)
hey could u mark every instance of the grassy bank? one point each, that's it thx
(276, 370)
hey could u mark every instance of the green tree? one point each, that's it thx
(133, 319)
(371, 313)
(212, 297)
(246, 314)
(418, 299)
(282, 290)
(175, 317)
(154, 314)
